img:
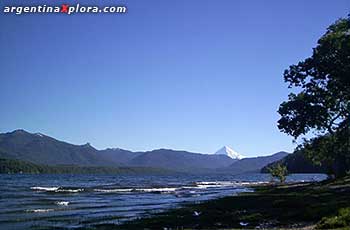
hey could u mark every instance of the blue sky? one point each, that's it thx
(191, 75)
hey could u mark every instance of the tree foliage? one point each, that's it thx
(279, 171)
(331, 151)
(320, 103)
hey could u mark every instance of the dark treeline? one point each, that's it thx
(11, 166)
(297, 163)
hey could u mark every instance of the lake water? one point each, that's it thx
(72, 201)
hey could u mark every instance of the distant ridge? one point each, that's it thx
(180, 160)
(41, 149)
(254, 164)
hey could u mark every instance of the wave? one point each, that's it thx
(183, 188)
(227, 183)
(70, 190)
(193, 186)
(47, 189)
(213, 184)
(63, 203)
(39, 210)
(116, 190)
(56, 189)
(137, 190)
(253, 183)
(161, 190)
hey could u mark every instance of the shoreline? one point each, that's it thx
(270, 206)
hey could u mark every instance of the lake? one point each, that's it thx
(73, 201)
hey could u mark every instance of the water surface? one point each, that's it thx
(71, 201)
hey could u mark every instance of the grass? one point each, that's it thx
(341, 220)
(323, 205)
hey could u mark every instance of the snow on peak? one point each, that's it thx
(39, 134)
(229, 152)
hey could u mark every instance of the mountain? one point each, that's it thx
(180, 160)
(227, 151)
(297, 163)
(119, 156)
(42, 149)
(253, 164)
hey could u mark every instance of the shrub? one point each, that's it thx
(342, 220)
(279, 171)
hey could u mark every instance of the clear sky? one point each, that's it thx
(187, 74)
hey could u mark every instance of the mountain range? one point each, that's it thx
(254, 164)
(41, 149)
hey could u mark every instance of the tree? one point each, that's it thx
(279, 171)
(320, 103)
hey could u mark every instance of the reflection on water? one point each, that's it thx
(80, 200)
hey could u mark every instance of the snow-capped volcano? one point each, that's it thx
(229, 152)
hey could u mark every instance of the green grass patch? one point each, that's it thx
(340, 221)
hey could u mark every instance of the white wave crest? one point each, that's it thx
(47, 189)
(71, 190)
(128, 190)
(218, 184)
(40, 210)
(117, 190)
(55, 189)
(157, 189)
(63, 203)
